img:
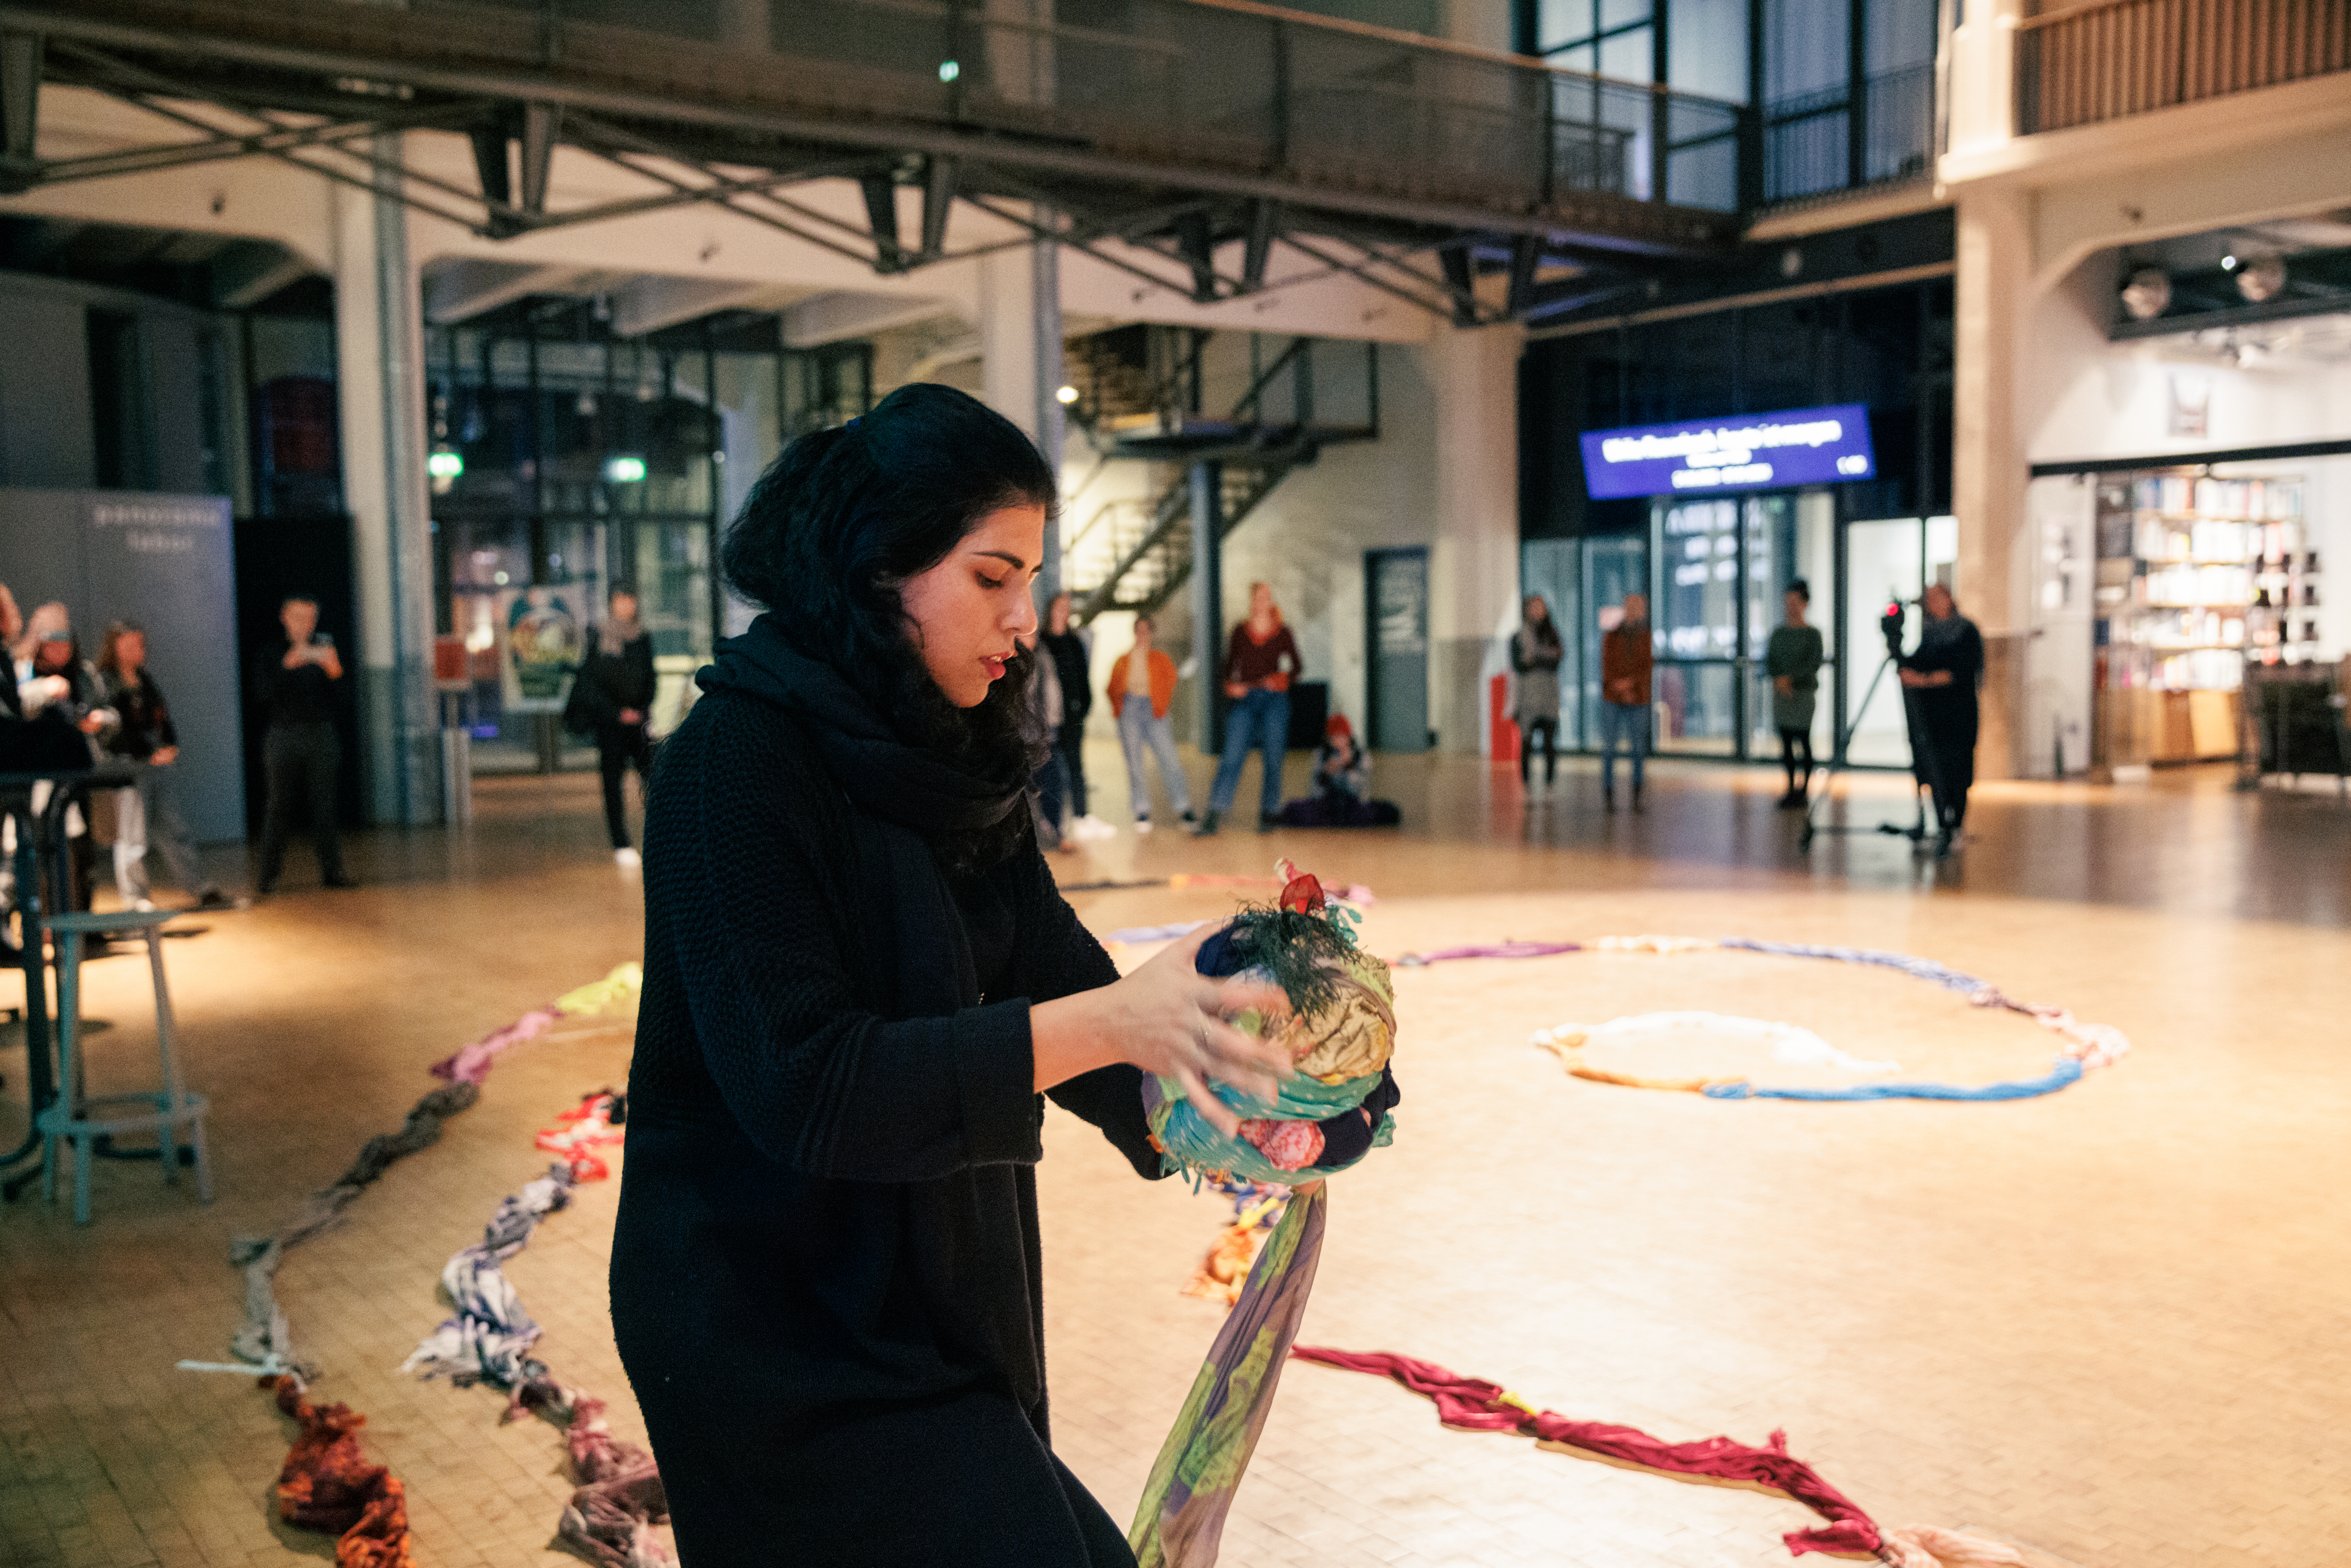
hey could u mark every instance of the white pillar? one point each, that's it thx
(1473, 569)
(379, 356)
(1989, 471)
(1020, 356)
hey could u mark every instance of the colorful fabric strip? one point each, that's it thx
(2067, 1070)
(1474, 1405)
(1181, 1518)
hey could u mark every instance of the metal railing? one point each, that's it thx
(1810, 147)
(1385, 121)
(2109, 59)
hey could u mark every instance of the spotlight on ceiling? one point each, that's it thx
(2262, 277)
(2227, 264)
(1067, 394)
(2148, 294)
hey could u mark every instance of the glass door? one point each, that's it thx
(1696, 608)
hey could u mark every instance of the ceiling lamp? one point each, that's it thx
(2148, 294)
(2262, 277)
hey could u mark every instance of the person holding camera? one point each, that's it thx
(1941, 676)
(301, 753)
(611, 697)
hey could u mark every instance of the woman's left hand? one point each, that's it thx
(1167, 1018)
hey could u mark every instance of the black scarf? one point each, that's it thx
(907, 784)
(912, 796)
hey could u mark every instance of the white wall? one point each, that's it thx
(1309, 537)
(2087, 397)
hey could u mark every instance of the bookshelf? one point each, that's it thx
(2197, 577)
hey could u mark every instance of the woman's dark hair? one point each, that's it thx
(845, 517)
(1547, 634)
(1801, 587)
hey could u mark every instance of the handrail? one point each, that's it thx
(2107, 59)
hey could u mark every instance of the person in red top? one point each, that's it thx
(1141, 689)
(1259, 663)
(1626, 658)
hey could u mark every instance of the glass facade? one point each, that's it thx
(1717, 568)
(566, 462)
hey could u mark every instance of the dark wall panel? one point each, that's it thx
(166, 562)
(44, 416)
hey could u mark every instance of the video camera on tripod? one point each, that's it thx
(1891, 621)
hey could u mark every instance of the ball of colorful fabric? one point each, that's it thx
(1340, 1033)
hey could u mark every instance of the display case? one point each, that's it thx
(2196, 576)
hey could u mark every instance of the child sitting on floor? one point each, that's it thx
(1342, 783)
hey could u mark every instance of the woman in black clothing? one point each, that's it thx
(859, 976)
(613, 690)
(1943, 675)
(148, 810)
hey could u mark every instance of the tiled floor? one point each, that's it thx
(2108, 1324)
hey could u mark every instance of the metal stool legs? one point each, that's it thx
(83, 1119)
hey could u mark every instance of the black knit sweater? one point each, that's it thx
(828, 1199)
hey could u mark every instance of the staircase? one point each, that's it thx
(1136, 554)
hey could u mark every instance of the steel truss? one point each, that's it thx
(247, 90)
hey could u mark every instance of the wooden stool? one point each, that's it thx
(165, 1109)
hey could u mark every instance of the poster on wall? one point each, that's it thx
(1741, 452)
(539, 650)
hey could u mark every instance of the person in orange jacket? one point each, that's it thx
(1142, 708)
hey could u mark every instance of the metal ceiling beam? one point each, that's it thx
(1598, 220)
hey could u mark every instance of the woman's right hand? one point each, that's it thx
(1168, 1019)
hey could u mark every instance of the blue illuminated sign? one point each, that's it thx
(1745, 452)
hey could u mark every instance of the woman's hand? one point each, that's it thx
(1167, 1018)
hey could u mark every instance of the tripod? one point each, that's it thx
(1918, 832)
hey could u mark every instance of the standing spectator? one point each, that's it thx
(1142, 722)
(1073, 652)
(1944, 673)
(1535, 654)
(149, 809)
(1792, 659)
(299, 751)
(611, 696)
(56, 682)
(1626, 660)
(1049, 787)
(1259, 663)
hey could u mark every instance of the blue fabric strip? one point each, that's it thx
(2067, 1070)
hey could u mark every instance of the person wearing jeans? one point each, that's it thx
(1626, 661)
(1259, 663)
(1143, 723)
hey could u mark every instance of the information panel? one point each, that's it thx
(1746, 452)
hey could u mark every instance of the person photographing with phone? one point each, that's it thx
(301, 755)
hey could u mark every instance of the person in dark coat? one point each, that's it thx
(148, 812)
(1073, 652)
(860, 984)
(301, 753)
(1942, 678)
(614, 691)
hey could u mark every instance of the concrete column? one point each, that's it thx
(1473, 566)
(1020, 357)
(1989, 471)
(378, 354)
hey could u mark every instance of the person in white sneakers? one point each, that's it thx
(1073, 652)
(1142, 691)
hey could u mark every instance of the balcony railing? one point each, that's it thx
(1810, 147)
(2109, 59)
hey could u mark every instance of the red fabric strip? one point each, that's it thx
(1475, 1405)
